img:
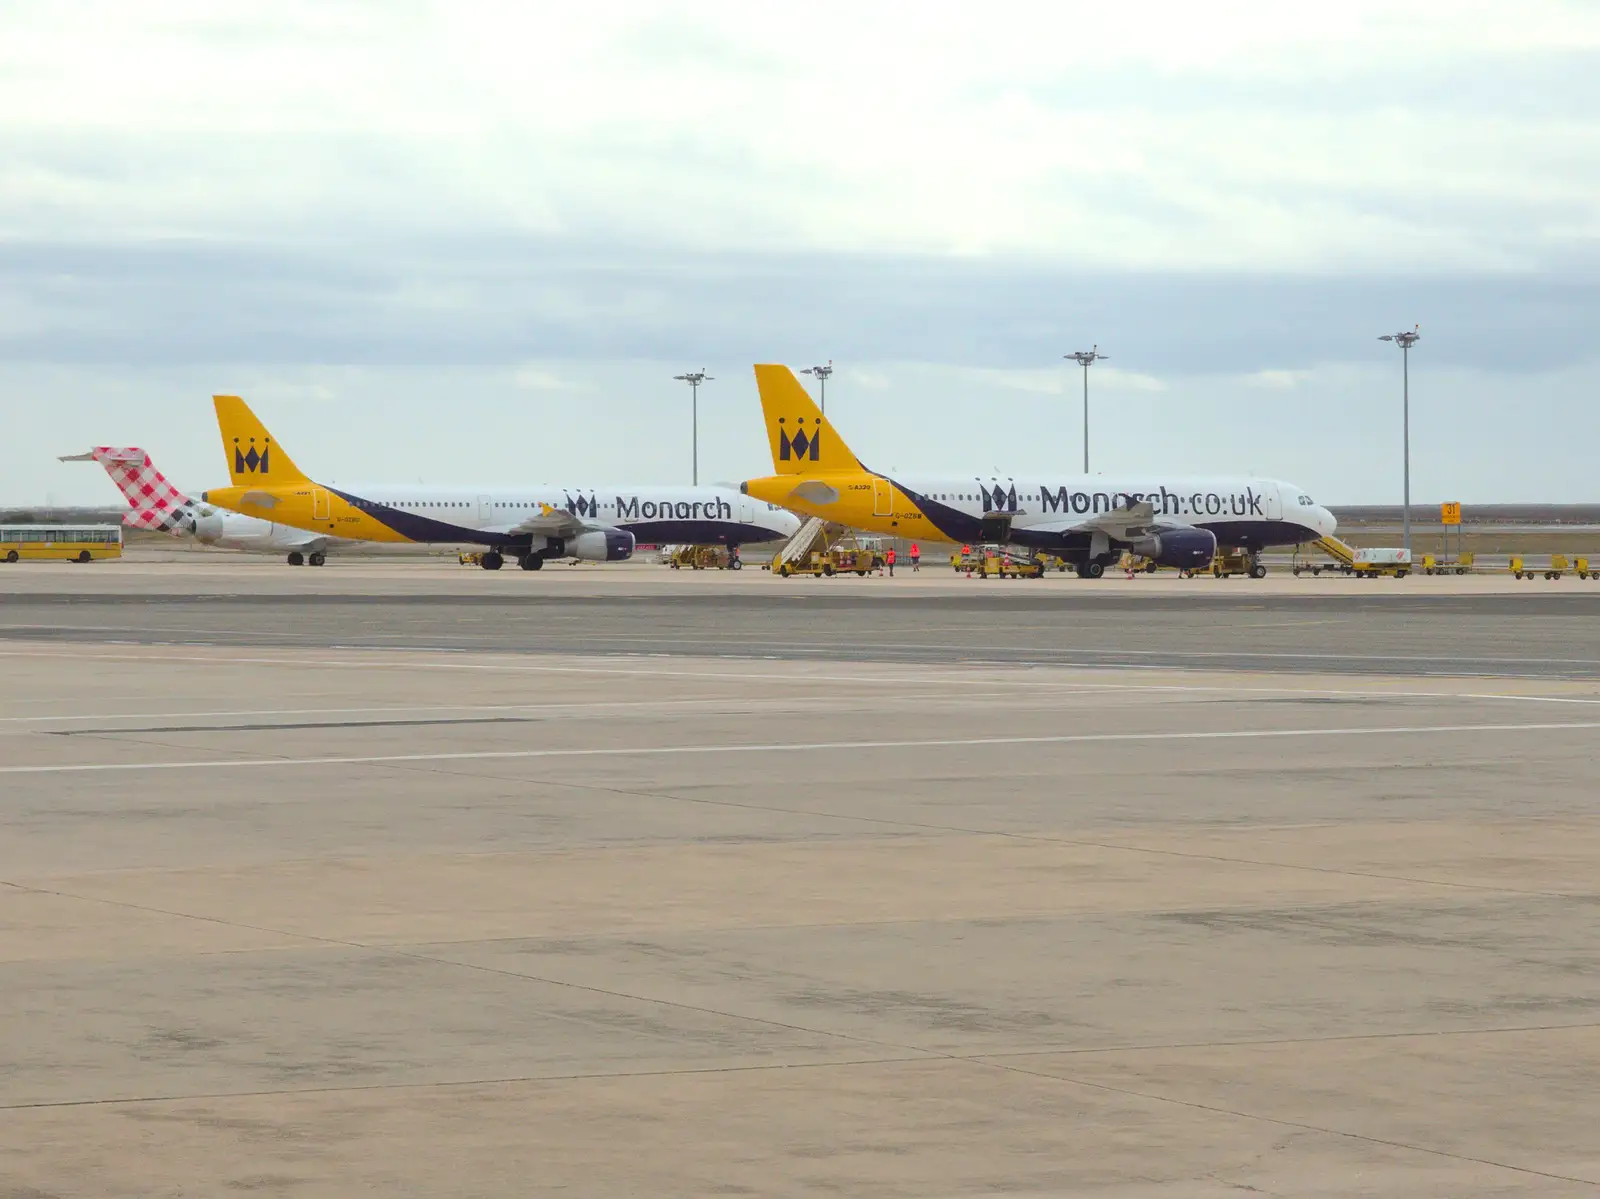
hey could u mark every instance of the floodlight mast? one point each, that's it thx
(821, 373)
(1405, 340)
(694, 379)
(1084, 358)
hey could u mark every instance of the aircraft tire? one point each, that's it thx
(296, 558)
(317, 559)
(531, 561)
(493, 560)
(1092, 569)
(1258, 571)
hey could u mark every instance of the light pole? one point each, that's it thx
(694, 379)
(1085, 357)
(1405, 341)
(822, 373)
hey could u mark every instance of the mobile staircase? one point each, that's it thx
(810, 536)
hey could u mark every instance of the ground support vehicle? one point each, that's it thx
(827, 563)
(1228, 563)
(1559, 565)
(1447, 566)
(996, 563)
(60, 543)
(821, 556)
(701, 557)
(1137, 564)
(1346, 559)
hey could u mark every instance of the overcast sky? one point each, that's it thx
(472, 242)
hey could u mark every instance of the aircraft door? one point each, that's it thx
(882, 497)
(747, 510)
(485, 512)
(1274, 500)
(321, 508)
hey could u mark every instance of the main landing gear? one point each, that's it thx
(494, 560)
(1091, 568)
(296, 558)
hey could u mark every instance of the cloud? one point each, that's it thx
(1262, 137)
(1275, 380)
(536, 378)
(392, 201)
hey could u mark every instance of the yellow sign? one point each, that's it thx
(1450, 514)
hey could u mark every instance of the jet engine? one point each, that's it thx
(1183, 548)
(206, 526)
(600, 545)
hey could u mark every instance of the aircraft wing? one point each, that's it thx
(1120, 524)
(554, 522)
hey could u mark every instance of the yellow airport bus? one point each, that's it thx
(69, 543)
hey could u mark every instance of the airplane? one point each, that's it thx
(1087, 520)
(156, 505)
(529, 524)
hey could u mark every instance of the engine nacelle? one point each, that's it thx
(600, 545)
(1183, 548)
(207, 528)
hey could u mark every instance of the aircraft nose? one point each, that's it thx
(1327, 522)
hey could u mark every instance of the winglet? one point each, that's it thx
(802, 440)
(254, 458)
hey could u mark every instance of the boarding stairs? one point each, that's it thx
(812, 535)
(1341, 552)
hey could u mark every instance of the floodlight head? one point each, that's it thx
(1406, 338)
(1085, 357)
(695, 378)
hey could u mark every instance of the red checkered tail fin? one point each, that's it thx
(153, 502)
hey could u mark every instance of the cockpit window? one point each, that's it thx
(1306, 502)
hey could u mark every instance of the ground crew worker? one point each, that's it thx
(966, 559)
(889, 558)
(916, 558)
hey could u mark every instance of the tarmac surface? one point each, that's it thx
(1419, 625)
(488, 906)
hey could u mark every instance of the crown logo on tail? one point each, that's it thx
(800, 446)
(252, 461)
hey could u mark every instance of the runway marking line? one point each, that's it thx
(805, 746)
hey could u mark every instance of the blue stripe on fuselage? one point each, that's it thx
(966, 528)
(424, 529)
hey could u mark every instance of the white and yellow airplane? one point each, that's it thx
(526, 523)
(1086, 519)
(157, 506)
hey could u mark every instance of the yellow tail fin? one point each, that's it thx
(803, 442)
(254, 459)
